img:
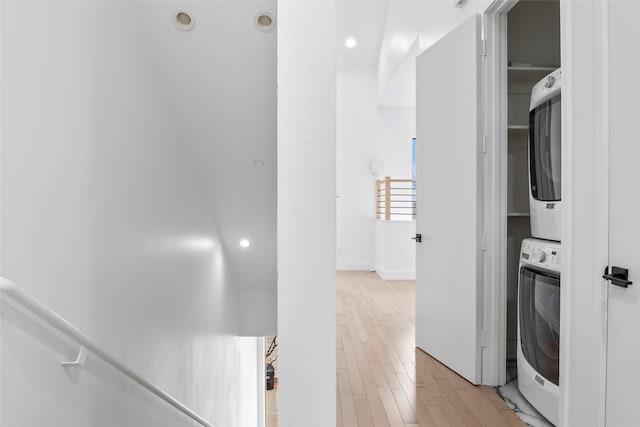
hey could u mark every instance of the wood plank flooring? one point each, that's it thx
(272, 408)
(383, 380)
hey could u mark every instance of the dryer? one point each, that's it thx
(539, 325)
(545, 157)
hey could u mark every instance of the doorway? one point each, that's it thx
(517, 61)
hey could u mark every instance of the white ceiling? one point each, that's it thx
(219, 80)
(225, 112)
(364, 21)
(391, 33)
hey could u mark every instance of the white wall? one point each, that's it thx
(306, 214)
(395, 252)
(107, 219)
(365, 132)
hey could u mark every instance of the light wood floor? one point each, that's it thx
(383, 380)
(272, 408)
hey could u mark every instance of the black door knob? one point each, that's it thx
(418, 238)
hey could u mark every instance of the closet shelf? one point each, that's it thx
(520, 73)
(518, 214)
(518, 127)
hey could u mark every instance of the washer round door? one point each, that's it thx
(539, 300)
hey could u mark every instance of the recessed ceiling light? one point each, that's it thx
(183, 20)
(265, 22)
(351, 43)
(245, 243)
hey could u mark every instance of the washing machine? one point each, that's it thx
(545, 157)
(539, 325)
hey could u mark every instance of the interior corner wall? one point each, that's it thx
(105, 220)
(365, 132)
(306, 213)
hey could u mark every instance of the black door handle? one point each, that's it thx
(418, 238)
(618, 276)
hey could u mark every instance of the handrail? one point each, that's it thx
(10, 289)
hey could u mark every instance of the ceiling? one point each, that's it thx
(142, 152)
(390, 34)
(364, 21)
(225, 113)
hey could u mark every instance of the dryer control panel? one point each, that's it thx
(542, 253)
(546, 88)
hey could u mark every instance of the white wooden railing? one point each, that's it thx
(12, 291)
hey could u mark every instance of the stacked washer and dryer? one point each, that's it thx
(539, 270)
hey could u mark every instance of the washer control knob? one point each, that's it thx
(539, 255)
(550, 82)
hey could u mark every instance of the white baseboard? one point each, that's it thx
(354, 266)
(396, 275)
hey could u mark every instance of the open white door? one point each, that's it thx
(623, 337)
(449, 184)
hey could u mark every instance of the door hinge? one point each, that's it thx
(484, 47)
(483, 338)
(484, 144)
(484, 241)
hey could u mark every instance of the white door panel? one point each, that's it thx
(448, 260)
(623, 348)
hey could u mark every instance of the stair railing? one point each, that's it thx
(13, 291)
(395, 199)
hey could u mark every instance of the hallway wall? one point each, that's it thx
(108, 219)
(365, 132)
(306, 214)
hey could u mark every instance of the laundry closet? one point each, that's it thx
(532, 52)
(472, 119)
(473, 188)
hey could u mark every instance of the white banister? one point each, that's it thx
(11, 290)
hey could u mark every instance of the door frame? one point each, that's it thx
(585, 215)
(494, 353)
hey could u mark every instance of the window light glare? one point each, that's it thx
(351, 43)
(245, 243)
